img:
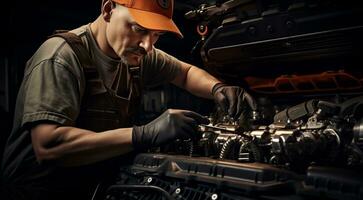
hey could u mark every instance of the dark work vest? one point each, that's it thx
(102, 108)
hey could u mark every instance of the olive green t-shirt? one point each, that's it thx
(52, 90)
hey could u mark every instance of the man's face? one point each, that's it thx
(129, 41)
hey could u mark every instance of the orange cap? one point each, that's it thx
(152, 14)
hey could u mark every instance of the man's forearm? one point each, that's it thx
(199, 82)
(70, 146)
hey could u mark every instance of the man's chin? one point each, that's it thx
(133, 61)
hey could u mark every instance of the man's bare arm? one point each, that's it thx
(195, 80)
(70, 146)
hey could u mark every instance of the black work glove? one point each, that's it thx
(172, 124)
(232, 99)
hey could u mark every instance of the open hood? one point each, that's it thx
(284, 47)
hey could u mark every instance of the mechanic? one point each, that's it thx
(74, 111)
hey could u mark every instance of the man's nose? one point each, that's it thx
(147, 42)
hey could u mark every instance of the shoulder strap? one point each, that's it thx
(76, 44)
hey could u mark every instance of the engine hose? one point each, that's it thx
(226, 148)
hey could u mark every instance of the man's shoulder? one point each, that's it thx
(51, 48)
(55, 50)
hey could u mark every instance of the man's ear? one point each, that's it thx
(107, 7)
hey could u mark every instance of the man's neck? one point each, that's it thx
(98, 29)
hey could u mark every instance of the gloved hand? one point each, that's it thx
(232, 99)
(172, 124)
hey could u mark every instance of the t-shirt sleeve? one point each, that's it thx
(51, 93)
(159, 67)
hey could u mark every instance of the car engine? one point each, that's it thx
(302, 61)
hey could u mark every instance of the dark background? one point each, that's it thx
(26, 24)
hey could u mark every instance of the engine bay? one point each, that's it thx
(312, 150)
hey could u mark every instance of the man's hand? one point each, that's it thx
(172, 124)
(232, 99)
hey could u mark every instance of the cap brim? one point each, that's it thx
(154, 21)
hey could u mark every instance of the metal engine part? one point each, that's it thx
(309, 133)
